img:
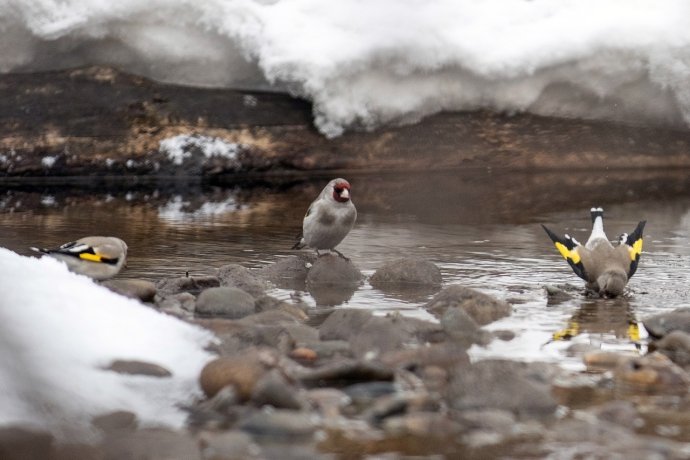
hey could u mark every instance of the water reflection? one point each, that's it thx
(480, 228)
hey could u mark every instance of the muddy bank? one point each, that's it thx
(101, 122)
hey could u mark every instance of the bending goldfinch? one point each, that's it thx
(606, 268)
(98, 257)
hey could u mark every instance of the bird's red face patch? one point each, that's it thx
(341, 191)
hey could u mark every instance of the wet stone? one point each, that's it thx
(228, 445)
(650, 374)
(289, 272)
(191, 284)
(329, 401)
(675, 345)
(151, 443)
(225, 302)
(481, 307)
(406, 271)
(364, 394)
(333, 270)
(138, 368)
(135, 289)
(118, 420)
(342, 324)
(664, 323)
(280, 423)
(447, 355)
(234, 275)
(521, 388)
(381, 334)
(273, 389)
(241, 371)
(459, 326)
(346, 371)
(266, 303)
(180, 305)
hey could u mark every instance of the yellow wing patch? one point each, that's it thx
(568, 254)
(90, 257)
(636, 249)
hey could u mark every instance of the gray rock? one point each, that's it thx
(122, 366)
(192, 284)
(446, 355)
(288, 273)
(280, 423)
(345, 370)
(135, 289)
(275, 390)
(226, 302)
(675, 345)
(382, 334)
(333, 270)
(118, 420)
(521, 388)
(483, 308)
(151, 443)
(228, 445)
(407, 270)
(180, 305)
(234, 275)
(661, 324)
(459, 326)
(342, 324)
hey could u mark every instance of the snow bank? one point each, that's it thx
(364, 63)
(58, 330)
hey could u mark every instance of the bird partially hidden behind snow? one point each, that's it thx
(98, 257)
(329, 219)
(606, 268)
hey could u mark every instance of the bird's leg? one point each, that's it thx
(340, 254)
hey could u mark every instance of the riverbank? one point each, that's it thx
(98, 121)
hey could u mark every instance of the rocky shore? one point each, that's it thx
(348, 384)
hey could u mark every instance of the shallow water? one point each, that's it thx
(482, 229)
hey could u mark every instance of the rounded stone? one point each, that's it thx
(226, 302)
(483, 308)
(333, 270)
(131, 367)
(241, 371)
(135, 289)
(234, 275)
(407, 270)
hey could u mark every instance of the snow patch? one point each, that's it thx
(58, 330)
(48, 161)
(181, 147)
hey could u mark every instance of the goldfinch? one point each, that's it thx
(606, 268)
(98, 257)
(329, 218)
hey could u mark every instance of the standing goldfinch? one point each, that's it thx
(329, 219)
(606, 268)
(98, 257)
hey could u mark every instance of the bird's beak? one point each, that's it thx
(345, 193)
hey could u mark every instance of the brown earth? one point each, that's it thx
(100, 122)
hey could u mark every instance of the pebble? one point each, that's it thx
(135, 289)
(225, 302)
(483, 308)
(406, 270)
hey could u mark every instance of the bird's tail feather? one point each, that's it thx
(596, 212)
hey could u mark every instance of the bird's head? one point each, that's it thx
(612, 283)
(341, 190)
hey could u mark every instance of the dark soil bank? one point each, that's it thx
(98, 121)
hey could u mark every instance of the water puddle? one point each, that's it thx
(482, 230)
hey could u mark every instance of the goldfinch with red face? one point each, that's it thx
(606, 268)
(98, 257)
(329, 218)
